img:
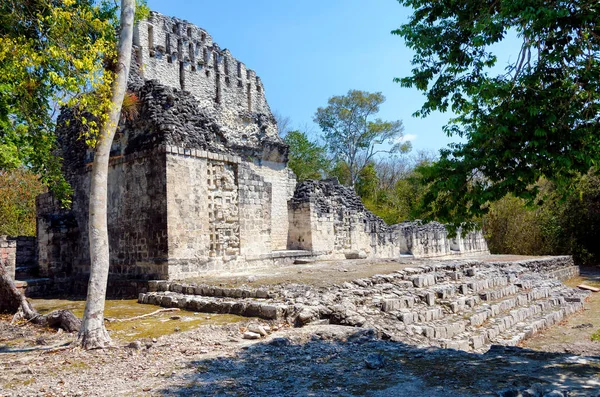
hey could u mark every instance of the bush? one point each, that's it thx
(559, 225)
(511, 227)
(18, 190)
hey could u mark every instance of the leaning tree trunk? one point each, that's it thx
(93, 334)
(12, 300)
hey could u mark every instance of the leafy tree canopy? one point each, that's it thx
(307, 159)
(352, 133)
(53, 53)
(538, 118)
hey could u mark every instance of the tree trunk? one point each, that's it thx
(10, 297)
(93, 334)
(11, 300)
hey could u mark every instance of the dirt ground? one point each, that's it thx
(575, 334)
(210, 357)
(326, 273)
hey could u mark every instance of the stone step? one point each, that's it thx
(209, 290)
(467, 306)
(535, 324)
(478, 331)
(242, 307)
(492, 301)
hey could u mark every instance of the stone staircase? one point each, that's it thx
(464, 305)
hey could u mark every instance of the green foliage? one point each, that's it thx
(18, 190)
(367, 183)
(556, 225)
(52, 54)
(307, 159)
(596, 336)
(540, 118)
(579, 219)
(341, 171)
(512, 227)
(351, 133)
(390, 188)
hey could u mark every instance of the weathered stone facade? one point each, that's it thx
(17, 253)
(330, 219)
(199, 182)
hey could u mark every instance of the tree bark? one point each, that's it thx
(93, 334)
(11, 300)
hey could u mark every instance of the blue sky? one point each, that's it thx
(307, 51)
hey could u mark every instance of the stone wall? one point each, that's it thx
(203, 213)
(136, 221)
(17, 253)
(220, 211)
(330, 219)
(8, 255)
(184, 56)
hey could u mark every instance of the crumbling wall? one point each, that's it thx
(183, 56)
(330, 219)
(424, 240)
(18, 254)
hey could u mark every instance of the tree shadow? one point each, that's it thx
(360, 364)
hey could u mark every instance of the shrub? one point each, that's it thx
(18, 190)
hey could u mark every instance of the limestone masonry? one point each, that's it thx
(460, 304)
(199, 180)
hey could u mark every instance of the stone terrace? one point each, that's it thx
(462, 304)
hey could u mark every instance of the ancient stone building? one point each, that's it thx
(199, 181)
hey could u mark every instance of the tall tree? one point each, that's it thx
(307, 159)
(93, 333)
(352, 133)
(539, 118)
(51, 55)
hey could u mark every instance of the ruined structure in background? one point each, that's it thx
(329, 219)
(199, 180)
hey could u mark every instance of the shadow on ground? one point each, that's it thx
(359, 364)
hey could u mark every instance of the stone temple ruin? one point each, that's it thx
(199, 181)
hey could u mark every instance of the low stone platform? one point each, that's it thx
(466, 304)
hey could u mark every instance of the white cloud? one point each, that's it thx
(407, 138)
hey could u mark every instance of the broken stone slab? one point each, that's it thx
(356, 254)
(257, 329)
(588, 288)
(424, 280)
(304, 261)
(251, 335)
